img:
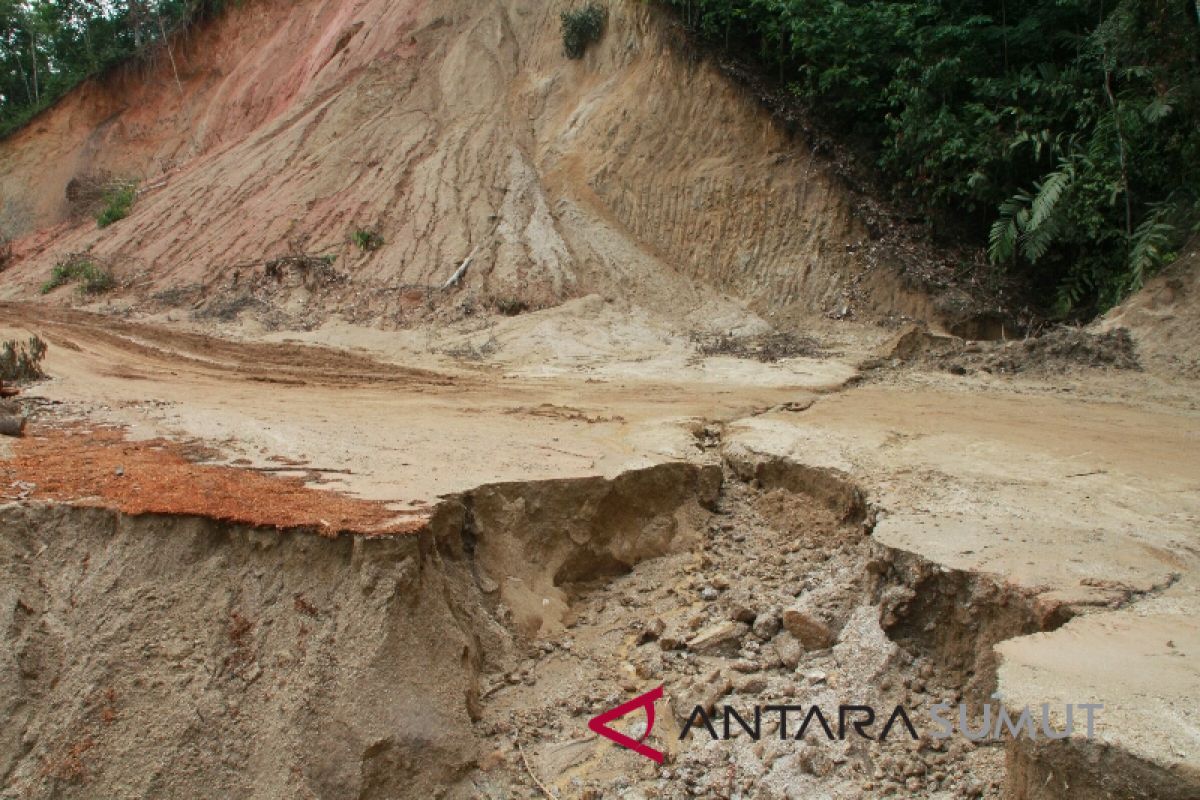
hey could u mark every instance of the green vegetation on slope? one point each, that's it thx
(118, 202)
(49, 46)
(22, 361)
(78, 267)
(367, 239)
(1064, 133)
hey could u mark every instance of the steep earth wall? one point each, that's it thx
(452, 127)
(167, 656)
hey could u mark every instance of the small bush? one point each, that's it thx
(77, 268)
(511, 307)
(96, 281)
(117, 204)
(366, 240)
(581, 27)
(22, 362)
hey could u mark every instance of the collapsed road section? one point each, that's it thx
(463, 659)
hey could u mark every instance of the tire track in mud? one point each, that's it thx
(254, 361)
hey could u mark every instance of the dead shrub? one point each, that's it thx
(766, 347)
(87, 193)
(6, 252)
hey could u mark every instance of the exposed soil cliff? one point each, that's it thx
(449, 128)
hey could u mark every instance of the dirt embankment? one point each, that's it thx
(449, 129)
(170, 657)
(1164, 317)
(253, 662)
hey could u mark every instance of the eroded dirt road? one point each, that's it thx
(400, 434)
(1079, 512)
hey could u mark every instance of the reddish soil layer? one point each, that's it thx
(100, 468)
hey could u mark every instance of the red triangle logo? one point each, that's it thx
(599, 724)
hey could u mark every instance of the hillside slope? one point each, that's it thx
(451, 128)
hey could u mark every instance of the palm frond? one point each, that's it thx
(1149, 248)
(1049, 192)
(1002, 241)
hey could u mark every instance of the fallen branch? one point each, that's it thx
(1086, 474)
(462, 270)
(299, 468)
(528, 768)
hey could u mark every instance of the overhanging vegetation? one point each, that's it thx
(1064, 133)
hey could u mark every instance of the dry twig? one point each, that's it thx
(529, 768)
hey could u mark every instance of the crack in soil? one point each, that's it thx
(519, 611)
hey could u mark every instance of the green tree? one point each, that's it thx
(48, 46)
(1063, 134)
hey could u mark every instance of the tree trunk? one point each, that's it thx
(166, 40)
(24, 76)
(37, 96)
(137, 15)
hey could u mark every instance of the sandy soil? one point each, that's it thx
(407, 435)
(285, 526)
(1079, 509)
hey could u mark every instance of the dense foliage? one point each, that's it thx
(49, 46)
(1064, 133)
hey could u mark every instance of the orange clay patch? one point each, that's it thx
(101, 468)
